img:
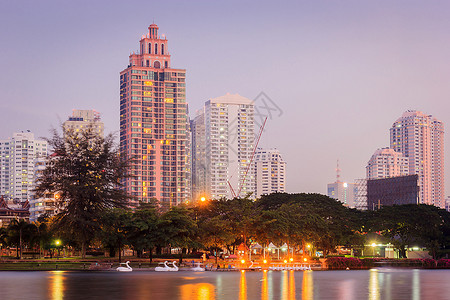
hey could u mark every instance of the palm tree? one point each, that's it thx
(18, 231)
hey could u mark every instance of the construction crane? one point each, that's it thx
(261, 129)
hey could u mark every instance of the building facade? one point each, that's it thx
(21, 156)
(270, 172)
(223, 144)
(398, 190)
(198, 156)
(343, 192)
(386, 163)
(83, 119)
(153, 123)
(420, 138)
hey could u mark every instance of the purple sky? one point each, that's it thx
(341, 71)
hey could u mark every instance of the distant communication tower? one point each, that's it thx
(338, 172)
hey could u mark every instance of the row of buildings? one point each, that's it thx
(410, 171)
(174, 159)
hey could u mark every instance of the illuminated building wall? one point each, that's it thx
(343, 192)
(153, 123)
(420, 138)
(20, 157)
(198, 156)
(82, 119)
(224, 141)
(386, 163)
(270, 172)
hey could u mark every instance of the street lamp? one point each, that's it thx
(57, 244)
(203, 199)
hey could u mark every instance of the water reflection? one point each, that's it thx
(374, 288)
(198, 291)
(307, 285)
(243, 287)
(264, 287)
(415, 285)
(56, 285)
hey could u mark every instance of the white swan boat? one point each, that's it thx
(174, 268)
(163, 269)
(198, 267)
(125, 269)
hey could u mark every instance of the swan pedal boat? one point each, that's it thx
(125, 269)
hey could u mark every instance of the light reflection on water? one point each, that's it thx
(56, 285)
(375, 284)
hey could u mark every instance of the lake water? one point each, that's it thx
(373, 284)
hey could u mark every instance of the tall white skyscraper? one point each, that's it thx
(82, 119)
(21, 156)
(386, 163)
(270, 172)
(420, 138)
(223, 148)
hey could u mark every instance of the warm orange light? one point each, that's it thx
(285, 261)
(265, 261)
(243, 261)
(203, 199)
(291, 259)
(305, 259)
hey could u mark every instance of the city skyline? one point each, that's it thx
(340, 66)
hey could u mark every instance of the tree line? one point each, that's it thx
(218, 225)
(86, 171)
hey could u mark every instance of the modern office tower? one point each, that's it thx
(19, 159)
(153, 120)
(223, 145)
(386, 163)
(82, 119)
(343, 192)
(420, 137)
(198, 156)
(270, 172)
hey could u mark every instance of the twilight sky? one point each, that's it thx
(341, 71)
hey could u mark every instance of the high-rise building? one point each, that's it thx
(223, 135)
(270, 172)
(198, 156)
(153, 123)
(21, 156)
(420, 138)
(386, 163)
(343, 192)
(82, 119)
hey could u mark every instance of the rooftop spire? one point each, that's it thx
(153, 31)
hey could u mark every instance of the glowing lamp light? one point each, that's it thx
(285, 261)
(305, 259)
(308, 246)
(203, 199)
(265, 261)
(243, 261)
(374, 245)
(58, 242)
(291, 259)
(345, 184)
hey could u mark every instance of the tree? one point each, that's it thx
(19, 231)
(178, 229)
(114, 230)
(85, 172)
(143, 229)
